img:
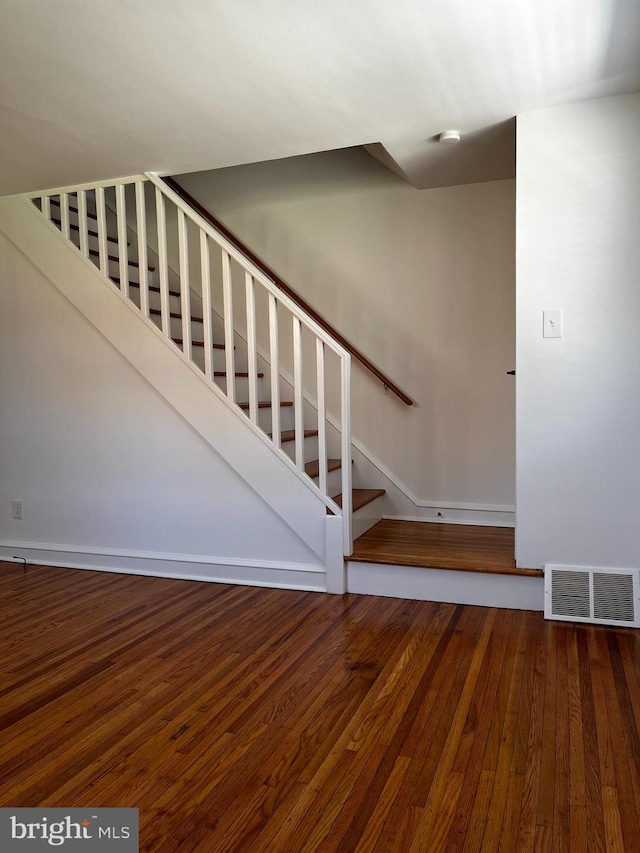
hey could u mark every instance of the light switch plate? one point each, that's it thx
(552, 324)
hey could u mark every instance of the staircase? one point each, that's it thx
(257, 347)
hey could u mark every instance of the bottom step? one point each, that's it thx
(459, 564)
(514, 592)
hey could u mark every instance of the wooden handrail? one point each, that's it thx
(189, 199)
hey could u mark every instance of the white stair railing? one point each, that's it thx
(155, 250)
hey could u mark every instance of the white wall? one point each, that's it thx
(108, 470)
(422, 281)
(578, 407)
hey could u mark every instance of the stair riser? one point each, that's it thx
(242, 387)
(334, 481)
(218, 358)
(264, 418)
(310, 448)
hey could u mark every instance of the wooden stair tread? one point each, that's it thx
(180, 341)
(313, 468)
(117, 280)
(90, 233)
(174, 315)
(116, 259)
(238, 374)
(361, 497)
(266, 404)
(73, 209)
(152, 288)
(290, 434)
(429, 545)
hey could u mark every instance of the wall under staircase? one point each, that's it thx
(175, 486)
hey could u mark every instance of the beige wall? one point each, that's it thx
(422, 281)
(578, 395)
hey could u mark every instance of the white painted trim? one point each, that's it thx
(89, 186)
(123, 553)
(488, 522)
(247, 575)
(445, 585)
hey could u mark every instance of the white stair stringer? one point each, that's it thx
(205, 408)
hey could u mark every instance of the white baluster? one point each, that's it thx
(143, 262)
(64, 214)
(274, 358)
(162, 264)
(322, 415)
(252, 356)
(185, 301)
(227, 294)
(345, 377)
(297, 392)
(123, 255)
(205, 270)
(45, 206)
(82, 223)
(101, 213)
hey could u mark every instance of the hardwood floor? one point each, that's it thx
(464, 547)
(253, 720)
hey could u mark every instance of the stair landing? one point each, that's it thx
(462, 547)
(460, 564)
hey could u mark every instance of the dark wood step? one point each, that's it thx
(151, 289)
(313, 468)
(290, 434)
(116, 280)
(90, 233)
(361, 497)
(432, 545)
(116, 259)
(73, 209)
(238, 375)
(174, 315)
(180, 341)
(266, 404)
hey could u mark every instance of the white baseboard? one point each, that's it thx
(308, 577)
(479, 588)
(486, 519)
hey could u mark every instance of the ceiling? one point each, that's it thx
(96, 89)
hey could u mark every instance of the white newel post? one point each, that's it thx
(334, 557)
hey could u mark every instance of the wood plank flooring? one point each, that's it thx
(464, 547)
(253, 720)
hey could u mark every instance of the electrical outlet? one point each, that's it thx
(18, 509)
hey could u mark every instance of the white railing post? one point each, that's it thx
(64, 215)
(101, 214)
(82, 223)
(123, 255)
(345, 383)
(207, 326)
(163, 264)
(274, 358)
(45, 206)
(252, 355)
(298, 392)
(227, 298)
(322, 416)
(185, 302)
(143, 263)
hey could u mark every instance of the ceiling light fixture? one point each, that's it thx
(449, 137)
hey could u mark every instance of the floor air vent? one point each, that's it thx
(603, 596)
